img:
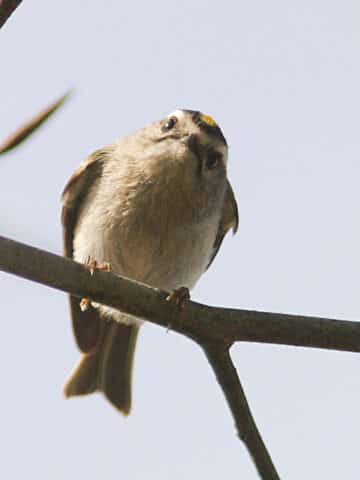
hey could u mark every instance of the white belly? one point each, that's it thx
(168, 258)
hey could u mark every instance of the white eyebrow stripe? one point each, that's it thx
(177, 113)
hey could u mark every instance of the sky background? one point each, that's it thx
(282, 79)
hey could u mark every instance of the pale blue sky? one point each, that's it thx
(282, 79)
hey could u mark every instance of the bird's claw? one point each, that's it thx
(91, 264)
(179, 296)
(84, 304)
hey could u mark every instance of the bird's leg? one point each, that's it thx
(91, 264)
(180, 296)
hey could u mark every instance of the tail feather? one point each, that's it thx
(109, 368)
(83, 378)
(115, 382)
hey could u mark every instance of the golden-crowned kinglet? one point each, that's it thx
(156, 206)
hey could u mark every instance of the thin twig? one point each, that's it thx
(6, 9)
(29, 127)
(228, 379)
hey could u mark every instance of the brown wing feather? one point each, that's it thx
(229, 220)
(86, 325)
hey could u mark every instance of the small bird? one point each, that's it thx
(155, 206)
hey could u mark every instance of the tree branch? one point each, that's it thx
(228, 379)
(197, 321)
(215, 329)
(6, 9)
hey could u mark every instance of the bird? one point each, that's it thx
(155, 205)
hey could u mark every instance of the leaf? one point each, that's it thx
(29, 127)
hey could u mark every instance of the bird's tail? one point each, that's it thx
(108, 368)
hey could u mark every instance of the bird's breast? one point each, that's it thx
(153, 246)
(162, 253)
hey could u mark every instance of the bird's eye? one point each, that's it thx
(213, 160)
(170, 123)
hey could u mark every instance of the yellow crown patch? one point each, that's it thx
(208, 119)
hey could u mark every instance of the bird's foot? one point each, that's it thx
(91, 264)
(179, 296)
(84, 304)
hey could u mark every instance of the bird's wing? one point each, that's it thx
(86, 325)
(229, 220)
